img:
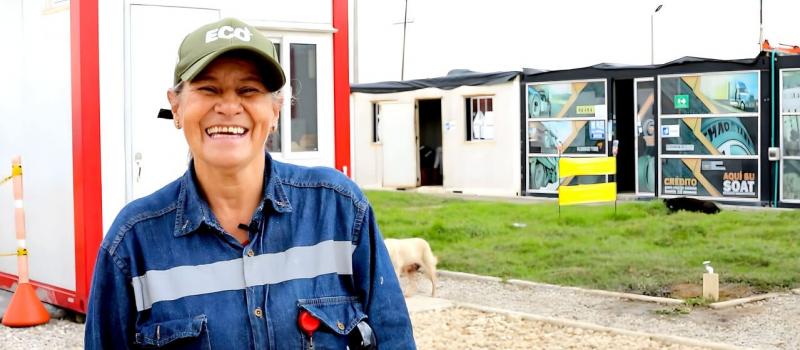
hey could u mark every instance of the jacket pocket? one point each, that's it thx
(186, 333)
(338, 316)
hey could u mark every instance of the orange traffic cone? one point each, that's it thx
(25, 309)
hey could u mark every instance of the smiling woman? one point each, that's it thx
(243, 251)
(226, 113)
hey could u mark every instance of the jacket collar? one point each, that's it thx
(193, 210)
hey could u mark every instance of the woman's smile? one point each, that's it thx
(226, 131)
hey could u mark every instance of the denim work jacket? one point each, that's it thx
(168, 276)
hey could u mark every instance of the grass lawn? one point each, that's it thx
(642, 249)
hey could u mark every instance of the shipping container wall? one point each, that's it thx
(138, 42)
(36, 123)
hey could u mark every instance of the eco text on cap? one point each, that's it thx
(228, 32)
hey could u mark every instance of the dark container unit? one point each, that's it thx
(706, 133)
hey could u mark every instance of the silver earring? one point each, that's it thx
(177, 124)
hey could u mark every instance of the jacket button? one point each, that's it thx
(340, 325)
(250, 253)
(259, 313)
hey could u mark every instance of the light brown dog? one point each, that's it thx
(409, 256)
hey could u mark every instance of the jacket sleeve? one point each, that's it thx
(374, 276)
(111, 312)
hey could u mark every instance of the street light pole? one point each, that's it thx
(652, 43)
(403, 59)
(405, 23)
(760, 23)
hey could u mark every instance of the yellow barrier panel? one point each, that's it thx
(589, 193)
(587, 166)
(593, 193)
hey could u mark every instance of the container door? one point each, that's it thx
(399, 139)
(158, 152)
(790, 136)
(645, 137)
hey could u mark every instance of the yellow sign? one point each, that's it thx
(584, 109)
(587, 166)
(591, 193)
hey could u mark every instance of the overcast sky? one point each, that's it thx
(510, 34)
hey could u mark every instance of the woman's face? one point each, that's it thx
(226, 114)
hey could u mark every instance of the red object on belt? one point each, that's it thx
(308, 323)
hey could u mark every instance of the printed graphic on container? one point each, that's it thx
(790, 94)
(543, 174)
(724, 136)
(722, 178)
(710, 94)
(566, 100)
(791, 135)
(576, 137)
(791, 179)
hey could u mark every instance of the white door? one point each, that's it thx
(158, 152)
(399, 138)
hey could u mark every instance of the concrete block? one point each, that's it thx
(711, 286)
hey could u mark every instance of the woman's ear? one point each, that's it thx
(173, 99)
(276, 111)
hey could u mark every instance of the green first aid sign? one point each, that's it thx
(681, 101)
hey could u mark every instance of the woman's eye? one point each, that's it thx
(207, 89)
(249, 91)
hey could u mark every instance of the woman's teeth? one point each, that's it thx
(226, 130)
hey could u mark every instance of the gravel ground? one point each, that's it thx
(469, 329)
(57, 334)
(770, 324)
(453, 328)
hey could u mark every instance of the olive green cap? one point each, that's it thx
(200, 47)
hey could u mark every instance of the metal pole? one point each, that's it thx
(652, 40)
(652, 45)
(403, 61)
(760, 23)
(355, 42)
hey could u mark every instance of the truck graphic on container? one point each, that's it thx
(740, 97)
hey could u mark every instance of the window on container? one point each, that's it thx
(274, 139)
(479, 118)
(376, 123)
(303, 80)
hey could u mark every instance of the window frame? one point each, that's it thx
(468, 102)
(375, 123)
(324, 98)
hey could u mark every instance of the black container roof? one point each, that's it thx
(463, 77)
(453, 79)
